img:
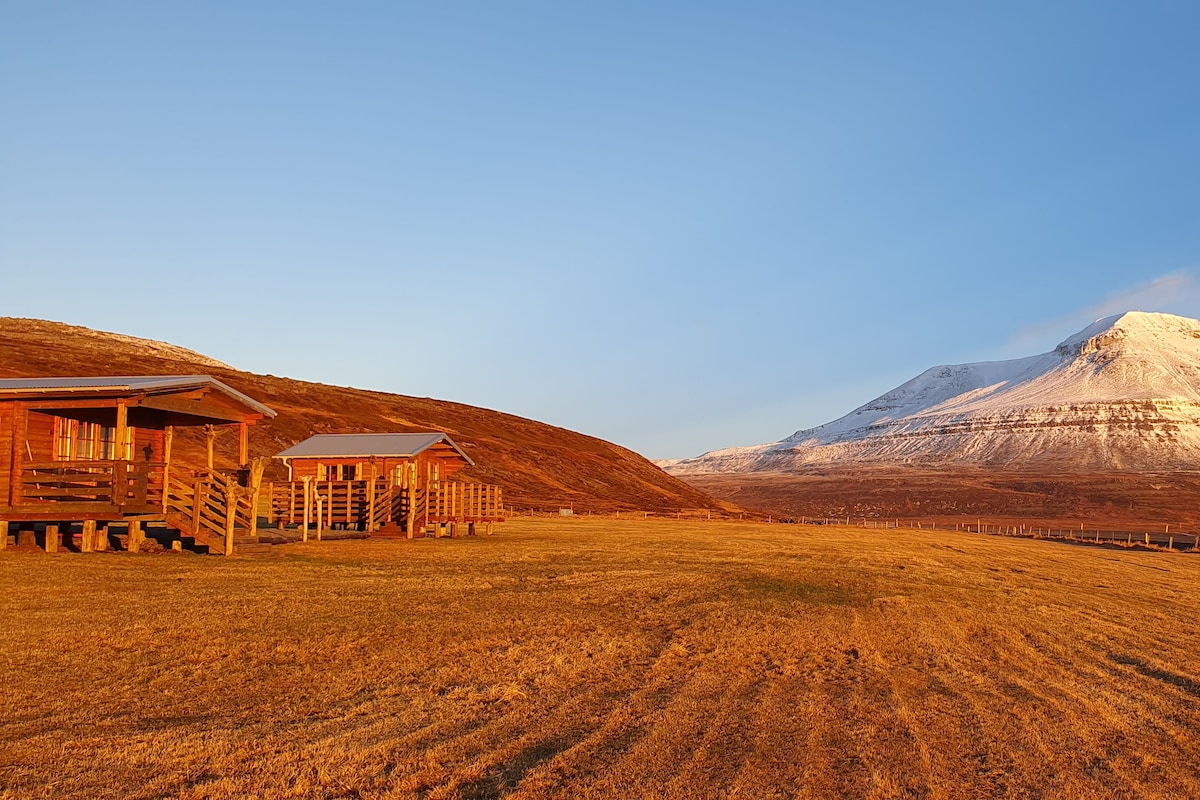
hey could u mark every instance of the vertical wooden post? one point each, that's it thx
(256, 473)
(101, 537)
(319, 515)
(199, 499)
(373, 473)
(20, 425)
(168, 437)
(231, 493)
(52, 538)
(135, 536)
(88, 543)
(210, 437)
(3, 534)
(410, 520)
(307, 502)
(243, 444)
(120, 452)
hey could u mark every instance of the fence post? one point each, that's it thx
(307, 501)
(371, 497)
(320, 518)
(230, 516)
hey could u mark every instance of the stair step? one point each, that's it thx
(256, 549)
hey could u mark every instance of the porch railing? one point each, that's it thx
(132, 486)
(363, 506)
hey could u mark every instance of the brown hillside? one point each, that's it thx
(539, 465)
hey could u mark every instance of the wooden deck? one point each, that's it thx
(379, 505)
(208, 508)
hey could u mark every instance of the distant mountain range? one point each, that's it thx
(1124, 393)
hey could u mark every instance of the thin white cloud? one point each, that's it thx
(1175, 293)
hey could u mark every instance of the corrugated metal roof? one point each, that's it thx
(365, 445)
(128, 383)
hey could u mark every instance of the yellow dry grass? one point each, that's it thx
(589, 659)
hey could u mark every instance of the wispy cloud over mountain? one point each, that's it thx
(1176, 292)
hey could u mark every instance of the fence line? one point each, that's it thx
(1170, 538)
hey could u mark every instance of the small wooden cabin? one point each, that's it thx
(382, 481)
(96, 450)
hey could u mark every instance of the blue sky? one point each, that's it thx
(674, 225)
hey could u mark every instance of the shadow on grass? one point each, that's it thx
(1185, 683)
(817, 594)
(503, 780)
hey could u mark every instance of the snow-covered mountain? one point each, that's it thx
(1124, 393)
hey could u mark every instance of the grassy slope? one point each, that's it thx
(592, 658)
(538, 465)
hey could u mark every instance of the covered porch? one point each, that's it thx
(91, 452)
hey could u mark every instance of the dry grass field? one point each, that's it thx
(597, 659)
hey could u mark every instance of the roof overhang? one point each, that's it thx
(370, 445)
(170, 393)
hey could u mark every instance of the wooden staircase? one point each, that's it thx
(214, 511)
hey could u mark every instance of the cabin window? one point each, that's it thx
(85, 441)
(107, 444)
(88, 441)
(64, 440)
(336, 472)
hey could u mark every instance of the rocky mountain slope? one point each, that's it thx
(1122, 394)
(540, 466)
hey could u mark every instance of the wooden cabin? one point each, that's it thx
(382, 482)
(95, 451)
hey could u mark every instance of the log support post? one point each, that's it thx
(257, 467)
(120, 450)
(88, 541)
(199, 498)
(243, 444)
(307, 504)
(319, 516)
(101, 537)
(52, 538)
(373, 474)
(168, 437)
(210, 438)
(135, 536)
(231, 498)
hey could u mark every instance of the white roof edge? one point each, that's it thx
(432, 437)
(129, 383)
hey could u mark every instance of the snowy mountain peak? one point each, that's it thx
(1136, 328)
(1122, 393)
